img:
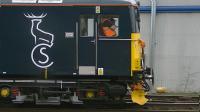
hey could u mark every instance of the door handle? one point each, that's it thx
(93, 41)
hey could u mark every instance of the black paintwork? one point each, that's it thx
(16, 42)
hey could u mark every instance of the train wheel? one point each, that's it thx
(5, 95)
(5, 92)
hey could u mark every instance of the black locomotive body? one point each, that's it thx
(68, 51)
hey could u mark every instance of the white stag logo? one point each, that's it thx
(43, 41)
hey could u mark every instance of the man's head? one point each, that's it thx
(108, 22)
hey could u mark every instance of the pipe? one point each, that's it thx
(152, 41)
(172, 9)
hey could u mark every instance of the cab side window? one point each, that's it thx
(108, 26)
(86, 26)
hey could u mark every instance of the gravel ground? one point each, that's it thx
(59, 110)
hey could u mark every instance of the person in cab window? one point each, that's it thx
(108, 27)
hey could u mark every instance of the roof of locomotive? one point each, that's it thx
(79, 2)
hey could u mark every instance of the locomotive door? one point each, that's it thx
(86, 45)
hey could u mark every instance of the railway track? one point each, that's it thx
(169, 107)
(157, 103)
(171, 103)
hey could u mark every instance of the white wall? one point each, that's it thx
(177, 57)
(172, 2)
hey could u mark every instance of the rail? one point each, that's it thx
(157, 103)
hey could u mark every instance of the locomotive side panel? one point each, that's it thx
(35, 38)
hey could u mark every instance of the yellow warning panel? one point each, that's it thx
(138, 96)
(136, 53)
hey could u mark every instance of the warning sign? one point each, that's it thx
(98, 9)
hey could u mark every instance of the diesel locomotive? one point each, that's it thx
(72, 51)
